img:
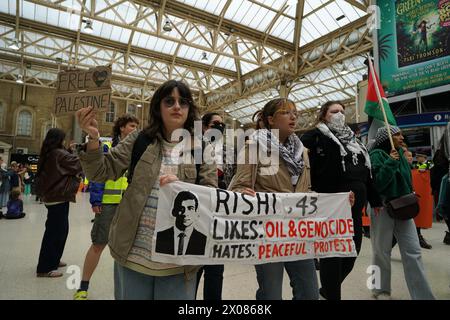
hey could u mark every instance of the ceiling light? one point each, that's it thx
(19, 79)
(242, 125)
(226, 110)
(130, 68)
(14, 44)
(234, 119)
(167, 26)
(319, 106)
(88, 26)
(139, 105)
(204, 56)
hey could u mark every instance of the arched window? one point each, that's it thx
(24, 123)
(111, 114)
(132, 109)
(2, 115)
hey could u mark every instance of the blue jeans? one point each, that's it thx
(132, 285)
(302, 275)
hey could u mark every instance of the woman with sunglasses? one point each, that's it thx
(339, 163)
(151, 164)
(213, 274)
(289, 174)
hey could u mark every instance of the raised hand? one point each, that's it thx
(87, 122)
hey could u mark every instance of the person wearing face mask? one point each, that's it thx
(213, 126)
(339, 163)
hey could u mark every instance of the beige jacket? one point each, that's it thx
(249, 176)
(100, 167)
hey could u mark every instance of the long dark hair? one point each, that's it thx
(324, 109)
(155, 123)
(122, 121)
(53, 140)
(206, 119)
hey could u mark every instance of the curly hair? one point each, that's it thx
(121, 122)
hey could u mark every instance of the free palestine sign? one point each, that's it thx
(76, 89)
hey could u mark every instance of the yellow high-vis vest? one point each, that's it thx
(114, 190)
(112, 194)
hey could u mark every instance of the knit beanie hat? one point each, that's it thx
(382, 134)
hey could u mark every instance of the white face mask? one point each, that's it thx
(338, 119)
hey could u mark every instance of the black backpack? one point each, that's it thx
(139, 147)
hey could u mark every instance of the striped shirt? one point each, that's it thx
(140, 256)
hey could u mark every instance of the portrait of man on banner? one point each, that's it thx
(183, 238)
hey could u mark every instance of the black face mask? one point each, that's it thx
(218, 126)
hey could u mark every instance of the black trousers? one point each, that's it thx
(213, 281)
(333, 271)
(55, 235)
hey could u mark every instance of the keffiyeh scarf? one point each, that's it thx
(291, 151)
(346, 136)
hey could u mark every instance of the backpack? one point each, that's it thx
(139, 147)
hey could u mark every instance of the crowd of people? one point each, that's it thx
(125, 177)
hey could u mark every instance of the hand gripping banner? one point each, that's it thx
(198, 225)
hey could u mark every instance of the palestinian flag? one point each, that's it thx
(373, 108)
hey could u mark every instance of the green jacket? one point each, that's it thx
(392, 177)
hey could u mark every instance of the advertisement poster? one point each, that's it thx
(413, 45)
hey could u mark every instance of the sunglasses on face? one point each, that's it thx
(216, 123)
(169, 102)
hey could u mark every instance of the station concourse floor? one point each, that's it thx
(20, 242)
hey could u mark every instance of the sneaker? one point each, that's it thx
(447, 237)
(80, 295)
(423, 243)
(382, 296)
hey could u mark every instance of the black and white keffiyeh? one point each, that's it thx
(291, 151)
(344, 135)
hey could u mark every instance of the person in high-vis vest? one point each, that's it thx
(422, 162)
(104, 198)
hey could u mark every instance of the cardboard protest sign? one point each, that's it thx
(197, 225)
(76, 89)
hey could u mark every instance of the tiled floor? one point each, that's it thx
(20, 242)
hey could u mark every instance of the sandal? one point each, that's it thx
(50, 274)
(62, 264)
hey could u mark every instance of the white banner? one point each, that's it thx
(198, 225)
